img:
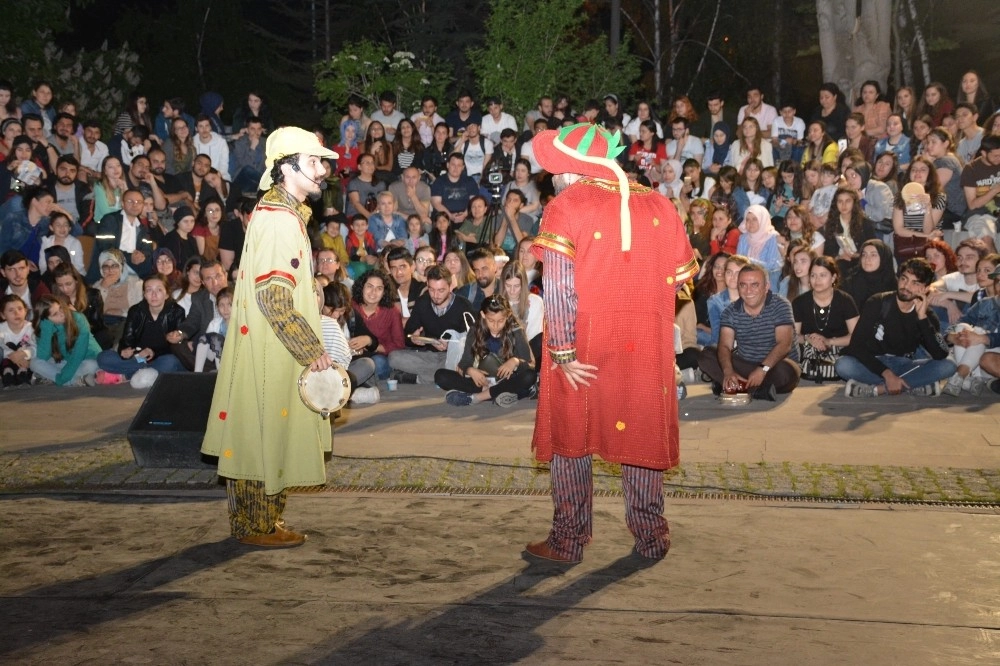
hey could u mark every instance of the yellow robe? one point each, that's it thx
(258, 427)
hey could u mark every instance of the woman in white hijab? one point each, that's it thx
(759, 242)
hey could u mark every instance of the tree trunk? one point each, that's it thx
(918, 33)
(779, 11)
(855, 45)
(657, 51)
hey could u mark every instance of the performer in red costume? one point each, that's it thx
(614, 254)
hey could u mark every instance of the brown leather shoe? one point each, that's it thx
(541, 549)
(279, 538)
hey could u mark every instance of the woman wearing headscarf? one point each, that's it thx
(717, 148)
(759, 242)
(120, 289)
(874, 274)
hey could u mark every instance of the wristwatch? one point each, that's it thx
(765, 368)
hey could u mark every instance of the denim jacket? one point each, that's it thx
(986, 315)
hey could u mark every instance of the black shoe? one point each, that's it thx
(716, 388)
(403, 377)
(760, 393)
(995, 385)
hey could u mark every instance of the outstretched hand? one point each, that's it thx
(577, 373)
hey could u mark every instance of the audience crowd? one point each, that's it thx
(854, 241)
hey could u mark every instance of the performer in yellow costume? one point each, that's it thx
(266, 439)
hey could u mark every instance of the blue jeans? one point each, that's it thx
(382, 368)
(110, 360)
(915, 372)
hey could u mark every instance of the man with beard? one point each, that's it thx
(63, 140)
(35, 131)
(70, 193)
(140, 177)
(200, 183)
(880, 358)
(265, 437)
(92, 152)
(484, 266)
(169, 184)
(433, 313)
(400, 263)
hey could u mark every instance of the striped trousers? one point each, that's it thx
(573, 500)
(251, 510)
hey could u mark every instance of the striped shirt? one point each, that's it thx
(754, 335)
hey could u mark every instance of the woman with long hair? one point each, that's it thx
(496, 365)
(699, 227)
(711, 282)
(66, 350)
(207, 227)
(936, 103)
(85, 300)
(751, 182)
(858, 138)
(348, 150)
(382, 333)
(526, 184)
(165, 264)
(750, 144)
(798, 226)
(918, 216)
(179, 147)
(825, 318)
(643, 112)
(846, 229)
(109, 189)
(527, 306)
(941, 257)
(473, 231)
(873, 107)
(721, 299)
(906, 103)
(920, 129)
(443, 237)
(136, 113)
(406, 147)
(971, 89)
(435, 156)
(896, 141)
(8, 105)
(795, 271)
(724, 235)
(10, 129)
(832, 110)
(379, 147)
(190, 283)
(874, 274)
(458, 265)
(648, 152)
(819, 145)
(886, 170)
(948, 168)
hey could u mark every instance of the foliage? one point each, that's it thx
(366, 69)
(534, 48)
(98, 82)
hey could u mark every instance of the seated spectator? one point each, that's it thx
(821, 201)
(20, 170)
(917, 217)
(941, 257)
(495, 121)
(144, 339)
(787, 134)
(795, 272)
(756, 350)
(873, 108)
(528, 307)
(886, 170)
(362, 253)
(442, 238)
(879, 359)
(179, 147)
(474, 231)
(846, 229)
(17, 341)
(376, 328)
(725, 235)
(253, 106)
(699, 214)
(649, 151)
(825, 318)
(211, 106)
(951, 294)
(386, 225)
(401, 266)
(458, 265)
(69, 284)
(855, 131)
(981, 183)
(721, 300)
(799, 227)
(975, 335)
(874, 273)
(380, 149)
(208, 348)
(759, 242)
(513, 225)
(819, 145)
(209, 142)
(331, 239)
(60, 227)
(451, 193)
(436, 311)
(355, 116)
(532, 264)
(941, 150)
(387, 114)
(189, 285)
(896, 141)
(484, 266)
(435, 158)
(717, 148)
(120, 289)
(328, 264)
(711, 282)
(750, 144)
(335, 304)
(24, 220)
(165, 264)
(878, 200)
(66, 349)
(413, 196)
(463, 113)
(423, 259)
(497, 363)
(180, 241)
(985, 268)
(427, 119)
(476, 150)
(123, 230)
(363, 189)
(201, 314)
(246, 161)
(19, 280)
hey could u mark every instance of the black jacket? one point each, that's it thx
(139, 317)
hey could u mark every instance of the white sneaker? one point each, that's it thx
(931, 390)
(855, 389)
(365, 395)
(954, 386)
(978, 386)
(689, 376)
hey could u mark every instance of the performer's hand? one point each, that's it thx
(322, 363)
(577, 373)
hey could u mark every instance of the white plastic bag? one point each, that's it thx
(456, 342)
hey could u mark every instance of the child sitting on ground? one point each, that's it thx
(209, 347)
(496, 364)
(18, 340)
(361, 251)
(67, 352)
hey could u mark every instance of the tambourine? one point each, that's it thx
(326, 391)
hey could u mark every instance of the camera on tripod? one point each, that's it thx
(494, 181)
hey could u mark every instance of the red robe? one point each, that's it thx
(624, 326)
